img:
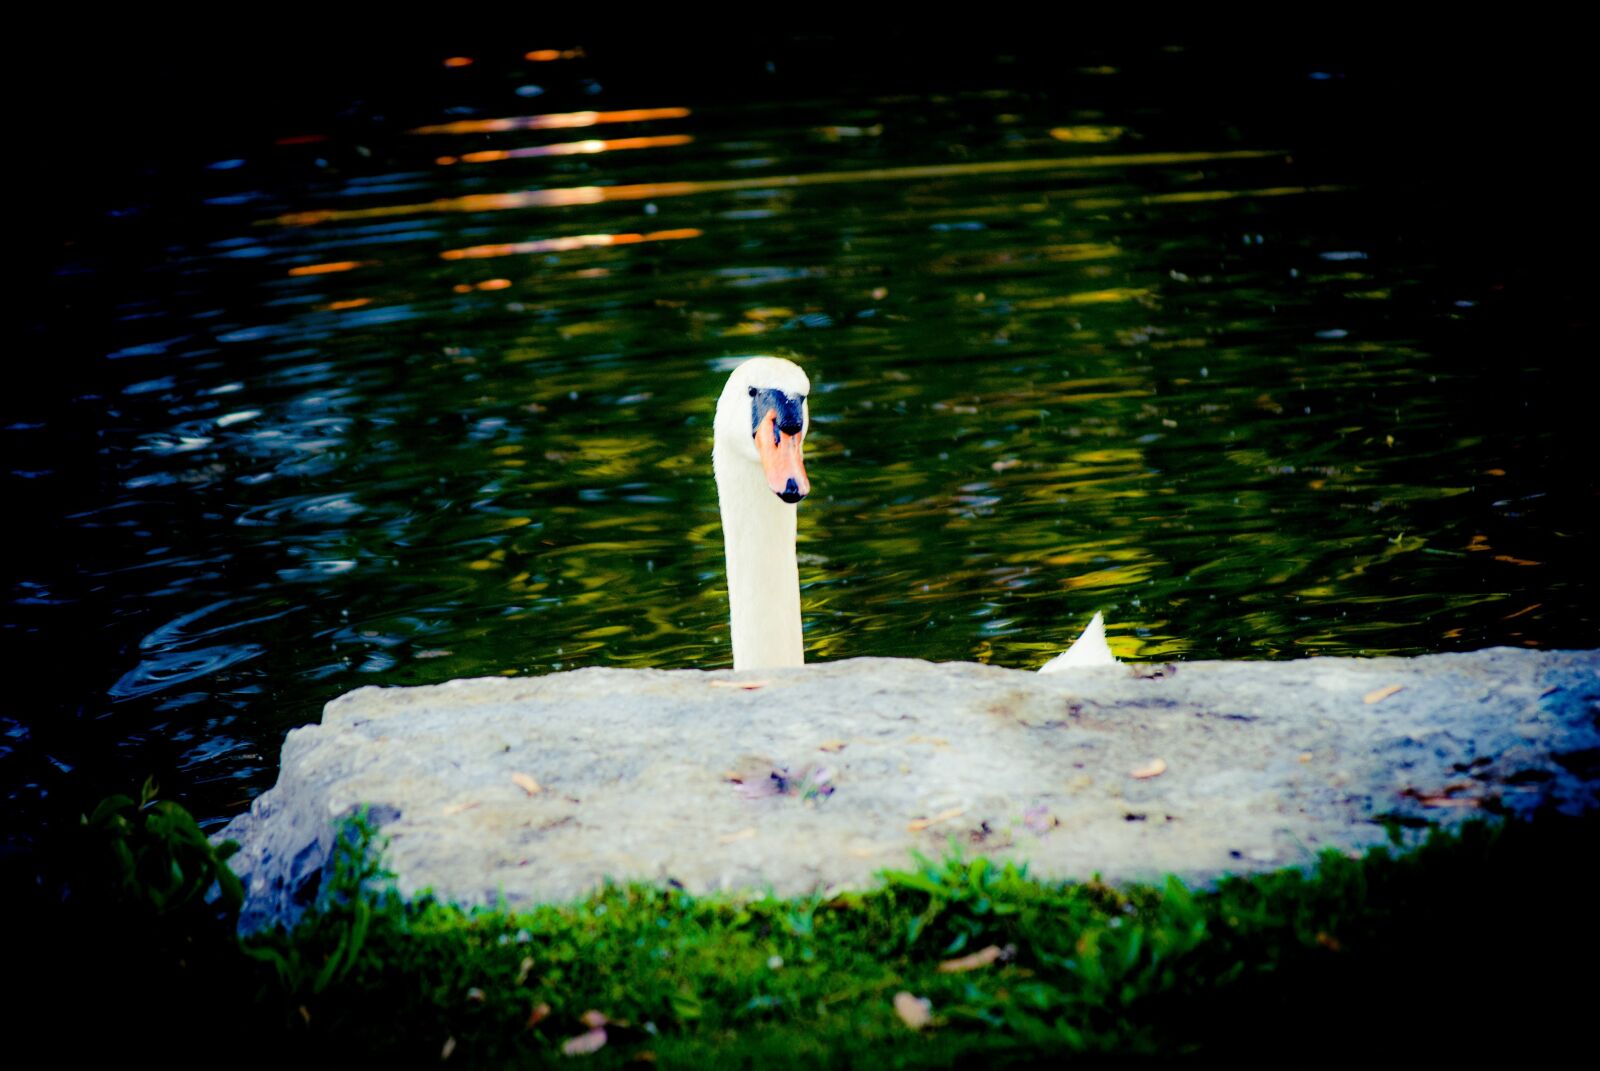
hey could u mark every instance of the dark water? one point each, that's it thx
(417, 382)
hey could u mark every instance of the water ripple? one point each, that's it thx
(154, 675)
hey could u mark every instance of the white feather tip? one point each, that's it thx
(1089, 649)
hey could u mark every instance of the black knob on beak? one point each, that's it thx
(791, 491)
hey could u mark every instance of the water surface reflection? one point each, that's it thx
(432, 398)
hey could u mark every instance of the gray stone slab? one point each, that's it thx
(828, 773)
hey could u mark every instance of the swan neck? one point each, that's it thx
(758, 532)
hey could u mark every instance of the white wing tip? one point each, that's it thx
(1089, 649)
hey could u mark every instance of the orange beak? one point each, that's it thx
(780, 458)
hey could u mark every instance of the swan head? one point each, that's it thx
(762, 419)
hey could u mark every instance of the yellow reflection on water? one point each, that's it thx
(1088, 134)
(583, 195)
(551, 121)
(1110, 296)
(1075, 251)
(562, 245)
(1092, 204)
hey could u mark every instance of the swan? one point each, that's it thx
(757, 457)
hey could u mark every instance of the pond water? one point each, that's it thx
(420, 387)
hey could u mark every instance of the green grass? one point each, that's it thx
(1462, 942)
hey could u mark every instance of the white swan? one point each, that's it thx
(756, 452)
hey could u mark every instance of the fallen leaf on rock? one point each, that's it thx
(913, 1011)
(748, 686)
(813, 782)
(540, 1012)
(584, 1044)
(734, 838)
(1378, 695)
(756, 778)
(832, 745)
(931, 741)
(1153, 768)
(919, 824)
(1449, 801)
(1039, 819)
(981, 958)
(1447, 796)
(810, 782)
(457, 808)
(527, 784)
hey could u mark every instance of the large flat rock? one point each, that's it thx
(823, 775)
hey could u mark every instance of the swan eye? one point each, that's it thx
(788, 411)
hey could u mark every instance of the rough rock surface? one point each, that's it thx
(537, 789)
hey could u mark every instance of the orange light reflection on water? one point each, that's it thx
(567, 148)
(326, 269)
(553, 121)
(561, 245)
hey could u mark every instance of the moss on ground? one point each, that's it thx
(1463, 942)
